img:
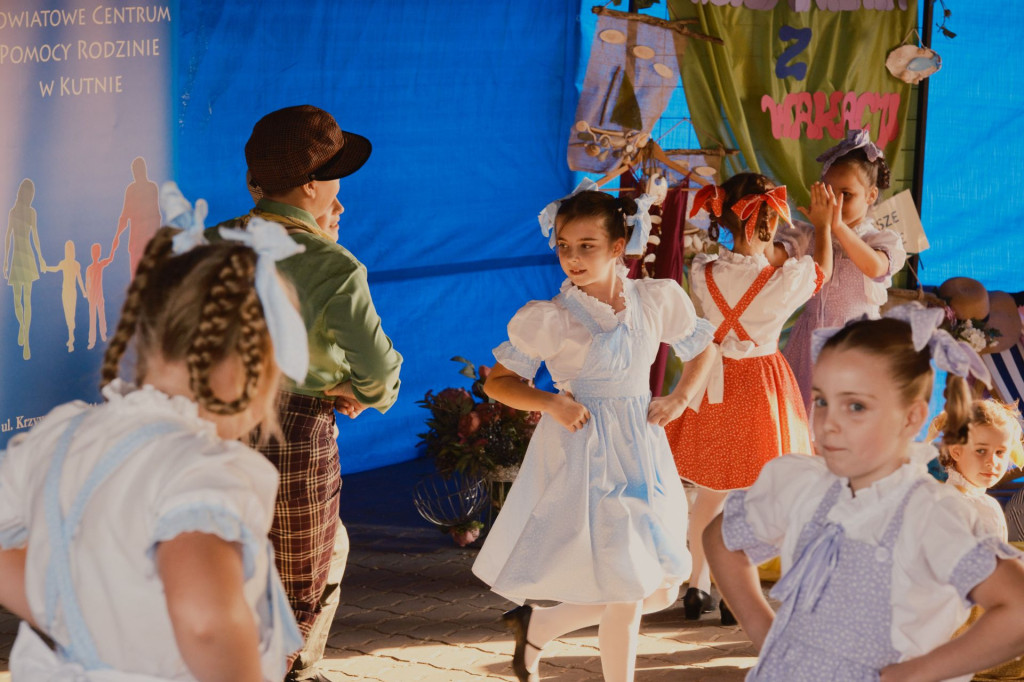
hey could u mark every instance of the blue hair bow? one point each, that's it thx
(271, 243)
(948, 354)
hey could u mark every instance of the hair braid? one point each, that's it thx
(253, 329)
(231, 294)
(157, 250)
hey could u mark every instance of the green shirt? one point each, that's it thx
(346, 341)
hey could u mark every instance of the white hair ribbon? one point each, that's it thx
(641, 224)
(948, 354)
(546, 218)
(178, 212)
(271, 243)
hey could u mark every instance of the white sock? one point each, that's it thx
(617, 638)
(551, 622)
(660, 599)
(706, 506)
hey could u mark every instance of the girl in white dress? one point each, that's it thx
(880, 562)
(596, 518)
(979, 444)
(133, 533)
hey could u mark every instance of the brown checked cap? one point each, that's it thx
(291, 146)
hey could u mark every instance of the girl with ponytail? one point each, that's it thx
(880, 562)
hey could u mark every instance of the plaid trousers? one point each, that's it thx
(306, 513)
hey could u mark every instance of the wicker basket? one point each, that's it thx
(902, 296)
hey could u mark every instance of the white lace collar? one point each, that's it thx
(599, 310)
(883, 488)
(151, 399)
(724, 254)
(965, 486)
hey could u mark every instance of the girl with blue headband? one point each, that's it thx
(133, 533)
(596, 518)
(880, 561)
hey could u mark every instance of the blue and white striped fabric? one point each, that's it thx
(1007, 369)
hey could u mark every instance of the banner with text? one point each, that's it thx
(85, 109)
(793, 77)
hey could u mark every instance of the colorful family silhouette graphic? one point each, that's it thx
(24, 261)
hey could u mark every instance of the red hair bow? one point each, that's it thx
(710, 197)
(749, 207)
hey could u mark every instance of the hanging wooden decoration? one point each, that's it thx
(632, 72)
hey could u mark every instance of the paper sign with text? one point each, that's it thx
(899, 213)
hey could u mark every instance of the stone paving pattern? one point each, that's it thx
(412, 610)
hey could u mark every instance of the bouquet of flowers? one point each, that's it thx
(973, 332)
(469, 433)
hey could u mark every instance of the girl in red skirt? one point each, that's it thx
(751, 411)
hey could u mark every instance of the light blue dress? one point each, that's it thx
(599, 515)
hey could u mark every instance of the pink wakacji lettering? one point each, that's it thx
(820, 112)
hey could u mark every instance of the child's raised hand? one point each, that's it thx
(825, 208)
(664, 409)
(569, 413)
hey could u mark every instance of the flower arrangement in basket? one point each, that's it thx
(471, 434)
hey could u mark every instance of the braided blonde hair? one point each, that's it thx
(201, 308)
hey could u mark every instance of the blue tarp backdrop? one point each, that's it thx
(468, 106)
(974, 154)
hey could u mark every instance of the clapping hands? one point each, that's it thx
(826, 209)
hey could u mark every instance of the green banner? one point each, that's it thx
(793, 77)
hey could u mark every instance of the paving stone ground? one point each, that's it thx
(412, 610)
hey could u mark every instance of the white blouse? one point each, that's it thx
(185, 480)
(733, 274)
(939, 555)
(788, 289)
(546, 331)
(991, 519)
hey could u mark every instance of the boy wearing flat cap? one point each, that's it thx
(295, 157)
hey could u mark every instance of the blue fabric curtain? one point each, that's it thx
(467, 105)
(974, 160)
